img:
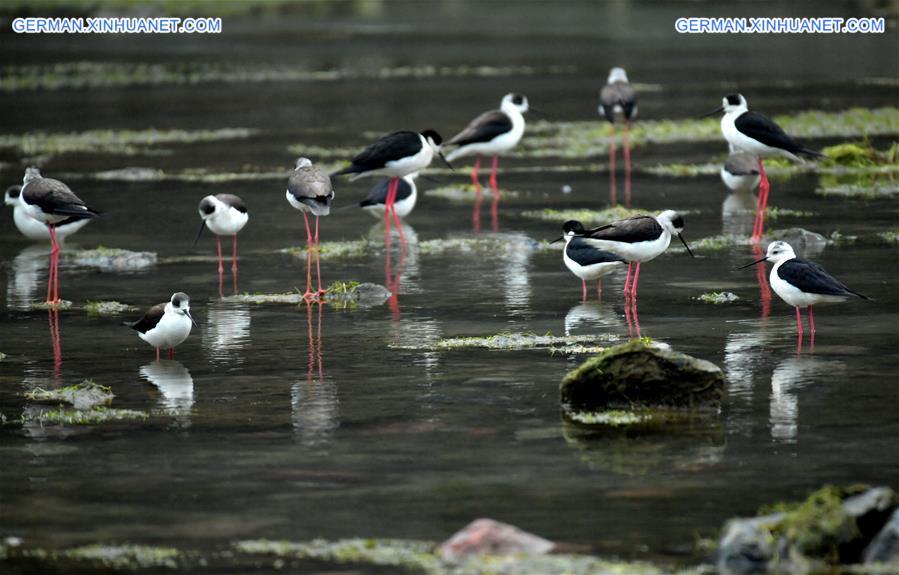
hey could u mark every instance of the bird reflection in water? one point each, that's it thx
(174, 382)
(314, 401)
(227, 332)
(26, 269)
(789, 377)
(406, 266)
(53, 315)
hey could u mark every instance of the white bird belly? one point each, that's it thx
(740, 183)
(592, 271)
(228, 223)
(171, 331)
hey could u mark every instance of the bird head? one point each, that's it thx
(617, 75)
(516, 102)
(13, 195)
(303, 163)
(181, 305)
(31, 173)
(674, 223)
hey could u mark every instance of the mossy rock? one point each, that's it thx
(642, 375)
(833, 526)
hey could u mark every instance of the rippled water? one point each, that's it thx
(291, 422)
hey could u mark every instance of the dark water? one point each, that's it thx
(260, 442)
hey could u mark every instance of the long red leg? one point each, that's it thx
(493, 185)
(799, 321)
(476, 210)
(613, 187)
(53, 281)
(811, 319)
(634, 283)
(634, 304)
(388, 205)
(234, 264)
(318, 267)
(221, 267)
(627, 282)
(627, 164)
(584, 289)
(762, 205)
(309, 255)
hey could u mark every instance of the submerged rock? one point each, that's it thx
(108, 308)
(84, 395)
(805, 243)
(114, 259)
(489, 537)
(884, 548)
(365, 294)
(641, 375)
(833, 526)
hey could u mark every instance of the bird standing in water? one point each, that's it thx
(309, 190)
(224, 215)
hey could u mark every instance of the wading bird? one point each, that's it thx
(584, 260)
(309, 190)
(618, 97)
(755, 133)
(52, 202)
(35, 229)
(165, 325)
(224, 215)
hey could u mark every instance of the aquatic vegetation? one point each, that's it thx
(612, 417)
(717, 297)
(91, 75)
(125, 557)
(890, 236)
(84, 395)
(496, 243)
(586, 139)
(261, 298)
(108, 307)
(126, 142)
(712, 243)
(871, 191)
(511, 341)
(466, 192)
(112, 259)
(62, 304)
(585, 216)
(337, 249)
(92, 416)
(772, 213)
(342, 287)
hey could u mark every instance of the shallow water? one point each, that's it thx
(260, 433)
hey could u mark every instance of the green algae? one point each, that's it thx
(93, 75)
(62, 304)
(343, 287)
(611, 418)
(495, 243)
(890, 236)
(125, 557)
(92, 416)
(773, 213)
(346, 249)
(466, 192)
(587, 139)
(84, 395)
(585, 216)
(126, 142)
(712, 243)
(511, 341)
(93, 307)
(717, 297)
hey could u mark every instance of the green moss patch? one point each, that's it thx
(585, 216)
(92, 416)
(108, 308)
(717, 297)
(127, 142)
(495, 243)
(125, 557)
(62, 304)
(513, 341)
(338, 250)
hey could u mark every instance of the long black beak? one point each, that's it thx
(717, 110)
(199, 233)
(756, 262)
(187, 313)
(683, 241)
(559, 239)
(442, 157)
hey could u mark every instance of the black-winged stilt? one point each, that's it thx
(802, 283)
(165, 325)
(755, 133)
(51, 202)
(309, 190)
(584, 260)
(35, 229)
(224, 215)
(638, 239)
(618, 98)
(395, 155)
(492, 133)
(740, 172)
